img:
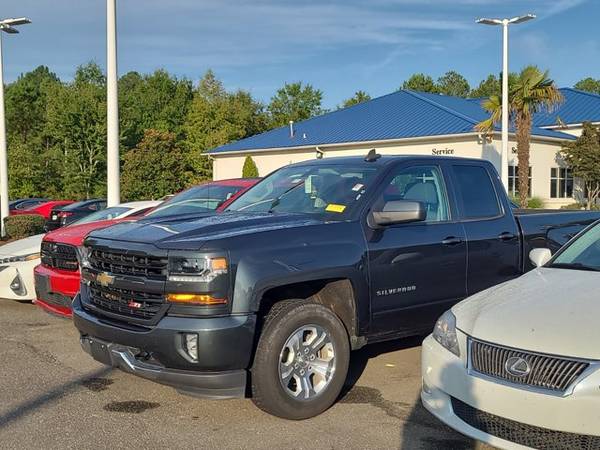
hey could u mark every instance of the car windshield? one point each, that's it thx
(105, 214)
(583, 253)
(197, 199)
(332, 190)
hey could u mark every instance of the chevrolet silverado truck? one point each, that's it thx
(269, 298)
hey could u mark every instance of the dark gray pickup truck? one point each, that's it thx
(320, 258)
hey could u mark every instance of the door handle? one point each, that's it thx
(506, 236)
(452, 240)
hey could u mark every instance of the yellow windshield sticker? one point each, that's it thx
(332, 207)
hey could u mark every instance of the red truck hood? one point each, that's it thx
(75, 234)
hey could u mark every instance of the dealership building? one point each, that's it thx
(409, 122)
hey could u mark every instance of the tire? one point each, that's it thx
(299, 384)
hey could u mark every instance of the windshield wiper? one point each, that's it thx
(575, 266)
(278, 199)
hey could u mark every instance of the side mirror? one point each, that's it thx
(540, 256)
(399, 211)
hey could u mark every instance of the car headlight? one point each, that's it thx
(202, 270)
(445, 332)
(22, 258)
(83, 256)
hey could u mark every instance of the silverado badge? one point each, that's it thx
(105, 279)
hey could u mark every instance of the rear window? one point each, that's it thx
(476, 190)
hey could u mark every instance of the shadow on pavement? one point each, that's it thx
(49, 397)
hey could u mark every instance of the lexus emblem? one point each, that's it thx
(517, 367)
(105, 279)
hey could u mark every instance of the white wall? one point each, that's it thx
(543, 156)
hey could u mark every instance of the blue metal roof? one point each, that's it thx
(399, 115)
(578, 107)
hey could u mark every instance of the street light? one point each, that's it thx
(113, 188)
(505, 23)
(8, 26)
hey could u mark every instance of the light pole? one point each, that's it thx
(8, 26)
(112, 108)
(505, 23)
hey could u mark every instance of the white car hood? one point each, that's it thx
(554, 311)
(22, 247)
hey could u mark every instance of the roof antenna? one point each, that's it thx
(372, 156)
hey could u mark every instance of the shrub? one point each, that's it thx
(573, 206)
(22, 226)
(249, 170)
(535, 203)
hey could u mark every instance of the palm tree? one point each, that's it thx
(531, 92)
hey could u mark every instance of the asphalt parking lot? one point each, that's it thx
(52, 395)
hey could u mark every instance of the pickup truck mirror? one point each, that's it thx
(540, 256)
(399, 211)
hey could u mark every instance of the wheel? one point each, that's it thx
(301, 360)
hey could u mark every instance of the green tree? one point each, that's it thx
(295, 101)
(156, 167)
(453, 83)
(76, 131)
(217, 117)
(249, 170)
(588, 84)
(358, 97)
(492, 85)
(420, 82)
(533, 91)
(583, 156)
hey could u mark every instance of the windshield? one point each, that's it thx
(105, 214)
(583, 253)
(198, 199)
(320, 189)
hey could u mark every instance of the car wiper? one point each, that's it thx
(575, 266)
(278, 199)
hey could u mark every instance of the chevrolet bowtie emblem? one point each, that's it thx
(105, 279)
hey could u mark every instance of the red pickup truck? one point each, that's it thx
(57, 278)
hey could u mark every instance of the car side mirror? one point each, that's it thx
(399, 211)
(540, 256)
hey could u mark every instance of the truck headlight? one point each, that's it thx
(204, 270)
(445, 332)
(83, 254)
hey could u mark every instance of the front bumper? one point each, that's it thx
(445, 376)
(156, 353)
(55, 289)
(24, 272)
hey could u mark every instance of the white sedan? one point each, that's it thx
(19, 258)
(518, 365)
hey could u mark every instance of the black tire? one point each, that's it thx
(284, 319)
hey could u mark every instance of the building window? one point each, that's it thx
(513, 181)
(561, 183)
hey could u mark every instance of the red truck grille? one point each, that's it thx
(59, 256)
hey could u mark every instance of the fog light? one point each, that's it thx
(17, 286)
(190, 341)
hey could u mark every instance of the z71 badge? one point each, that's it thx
(396, 290)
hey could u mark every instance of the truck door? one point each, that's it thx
(494, 247)
(417, 270)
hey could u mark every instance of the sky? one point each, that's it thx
(338, 46)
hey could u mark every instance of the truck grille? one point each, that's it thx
(121, 263)
(551, 373)
(125, 302)
(523, 434)
(59, 256)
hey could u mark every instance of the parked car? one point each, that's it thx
(24, 203)
(57, 277)
(17, 260)
(204, 198)
(65, 215)
(516, 365)
(43, 209)
(317, 259)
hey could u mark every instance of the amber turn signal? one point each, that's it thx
(196, 299)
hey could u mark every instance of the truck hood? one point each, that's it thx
(553, 311)
(22, 247)
(186, 232)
